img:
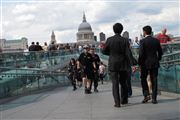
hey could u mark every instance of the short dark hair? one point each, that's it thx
(37, 43)
(92, 48)
(32, 43)
(118, 28)
(147, 29)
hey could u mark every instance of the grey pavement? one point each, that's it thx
(65, 104)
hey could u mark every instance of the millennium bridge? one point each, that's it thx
(35, 86)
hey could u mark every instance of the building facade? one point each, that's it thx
(102, 36)
(85, 33)
(13, 45)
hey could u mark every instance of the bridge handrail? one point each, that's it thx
(29, 69)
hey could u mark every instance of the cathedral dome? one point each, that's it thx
(85, 33)
(84, 26)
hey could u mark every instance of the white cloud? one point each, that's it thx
(65, 36)
(24, 8)
(37, 20)
(5, 23)
(105, 28)
(165, 18)
(167, 15)
(24, 18)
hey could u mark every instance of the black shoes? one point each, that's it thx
(96, 90)
(124, 102)
(146, 99)
(87, 91)
(117, 105)
(154, 101)
(74, 88)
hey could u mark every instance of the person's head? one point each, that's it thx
(52, 42)
(126, 35)
(86, 48)
(118, 28)
(45, 43)
(92, 50)
(73, 61)
(77, 62)
(32, 43)
(37, 43)
(136, 39)
(147, 30)
(164, 30)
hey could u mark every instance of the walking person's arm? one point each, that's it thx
(141, 52)
(106, 49)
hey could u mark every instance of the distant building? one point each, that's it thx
(102, 36)
(170, 35)
(85, 33)
(152, 34)
(95, 38)
(53, 38)
(17, 45)
(176, 39)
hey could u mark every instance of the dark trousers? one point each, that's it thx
(129, 83)
(153, 76)
(95, 80)
(101, 77)
(119, 78)
(73, 81)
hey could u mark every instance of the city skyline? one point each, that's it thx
(37, 19)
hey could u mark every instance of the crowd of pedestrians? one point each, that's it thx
(52, 47)
(121, 60)
(87, 70)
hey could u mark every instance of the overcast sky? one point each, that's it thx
(36, 19)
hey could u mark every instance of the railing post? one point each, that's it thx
(38, 83)
(176, 79)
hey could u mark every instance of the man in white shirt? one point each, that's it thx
(136, 43)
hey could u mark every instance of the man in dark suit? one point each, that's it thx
(32, 47)
(150, 54)
(117, 47)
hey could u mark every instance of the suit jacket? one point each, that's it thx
(150, 53)
(117, 48)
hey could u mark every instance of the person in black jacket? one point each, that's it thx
(38, 47)
(117, 47)
(32, 47)
(88, 64)
(150, 54)
(134, 62)
(72, 72)
(96, 60)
